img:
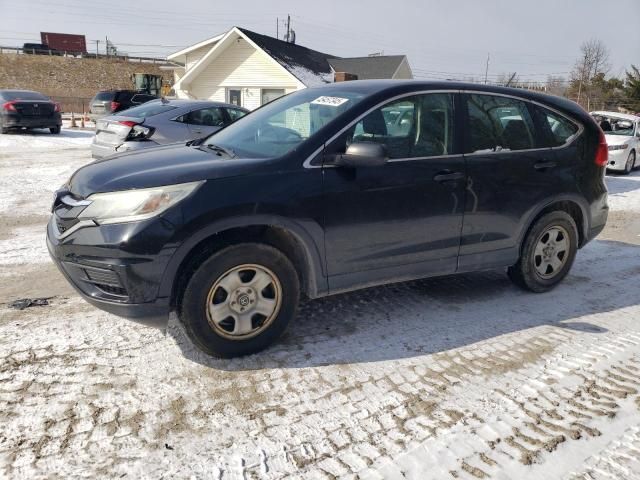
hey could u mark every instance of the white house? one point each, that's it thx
(250, 69)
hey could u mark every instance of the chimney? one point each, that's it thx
(344, 77)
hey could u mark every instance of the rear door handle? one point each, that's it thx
(447, 176)
(544, 165)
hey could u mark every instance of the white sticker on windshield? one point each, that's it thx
(330, 101)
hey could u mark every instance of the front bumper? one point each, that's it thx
(12, 120)
(618, 159)
(117, 268)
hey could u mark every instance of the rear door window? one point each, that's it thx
(104, 97)
(210, 117)
(496, 123)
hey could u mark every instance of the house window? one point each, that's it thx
(270, 94)
(234, 96)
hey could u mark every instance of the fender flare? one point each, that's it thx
(530, 217)
(309, 235)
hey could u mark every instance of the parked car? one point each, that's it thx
(622, 132)
(39, 49)
(161, 122)
(108, 102)
(312, 195)
(27, 109)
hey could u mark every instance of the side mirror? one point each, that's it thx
(363, 154)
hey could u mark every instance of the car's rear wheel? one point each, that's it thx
(547, 253)
(240, 300)
(55, 130)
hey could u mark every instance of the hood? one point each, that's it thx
(617, 139)
(154, 167)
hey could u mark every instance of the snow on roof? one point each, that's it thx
(309, 66)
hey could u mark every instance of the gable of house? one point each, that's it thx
(240, 66)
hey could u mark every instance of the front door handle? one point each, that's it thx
(448, 176)
(544, 165)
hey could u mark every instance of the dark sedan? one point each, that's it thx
(27, 109)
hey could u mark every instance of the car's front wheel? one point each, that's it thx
(547, 253)
(55, 130)
(631, 162)
(240, 300)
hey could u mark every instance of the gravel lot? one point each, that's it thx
(456, 377)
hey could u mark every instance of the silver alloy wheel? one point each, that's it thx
(552, 251)
(244, 301)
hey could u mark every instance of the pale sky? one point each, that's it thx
(442, 39)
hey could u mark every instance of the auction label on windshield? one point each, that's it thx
(330, 101)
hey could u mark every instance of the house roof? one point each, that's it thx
(195, 46)
(309, 66)
(368, 68)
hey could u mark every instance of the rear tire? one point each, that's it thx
(227, 310)
(547, 253)
(55, 130)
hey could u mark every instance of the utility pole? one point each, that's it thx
(97, 48)
(106, 43)
(277, 28)
(486, 70)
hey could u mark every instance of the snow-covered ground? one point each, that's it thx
(457, 377)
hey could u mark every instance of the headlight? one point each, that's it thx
(133, 205)
(618, 147)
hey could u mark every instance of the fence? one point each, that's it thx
(73, 104)
(59, 53)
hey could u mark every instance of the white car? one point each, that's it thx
(623, 137)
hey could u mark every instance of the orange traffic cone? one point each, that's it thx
(73, 121)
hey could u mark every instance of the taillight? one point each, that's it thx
(10, 107)
(114, 106)
(602, 151)
(56, 107)
(128, 123)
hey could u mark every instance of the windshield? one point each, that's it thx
(615, 126)
(23, 96)
(280, 126)
(148, 109)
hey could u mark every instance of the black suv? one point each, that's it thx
(331, 189)
(108, 102)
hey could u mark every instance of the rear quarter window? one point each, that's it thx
(557, 129)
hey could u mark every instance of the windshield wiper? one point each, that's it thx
(217, 148)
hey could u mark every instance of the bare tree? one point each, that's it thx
(556, 85)
(593, 61)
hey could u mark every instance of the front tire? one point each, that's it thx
(55, 130)
(547, 253)
(631, 163)
(240, 300)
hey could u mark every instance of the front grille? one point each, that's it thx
(105, 280)
(102, 277)
(64, 225)
(116, 291)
